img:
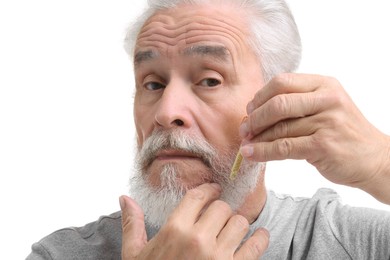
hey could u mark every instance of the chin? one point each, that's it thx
(186, 175)
(159, 198)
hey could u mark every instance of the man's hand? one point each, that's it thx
(311, 117)
(201, 227)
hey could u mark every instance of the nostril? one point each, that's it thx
(178, 122)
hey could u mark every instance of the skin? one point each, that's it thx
(294, 116)
(182, 91)
(206, 92)
(194, 71)
(311, 117)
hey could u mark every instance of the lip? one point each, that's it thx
(176, 155)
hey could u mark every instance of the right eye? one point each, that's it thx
(153, 86)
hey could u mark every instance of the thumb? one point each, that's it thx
(134, 236)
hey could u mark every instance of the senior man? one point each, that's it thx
(200, 68)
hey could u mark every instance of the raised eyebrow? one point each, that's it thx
(142, 56)
(218, 52)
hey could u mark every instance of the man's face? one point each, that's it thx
(195, 74)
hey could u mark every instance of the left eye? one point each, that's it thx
(210, 82)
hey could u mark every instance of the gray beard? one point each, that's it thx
(159, 202)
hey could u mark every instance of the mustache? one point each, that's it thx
(175, 140)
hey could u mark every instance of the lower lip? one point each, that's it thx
(176, 158)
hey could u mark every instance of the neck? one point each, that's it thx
(254, 203)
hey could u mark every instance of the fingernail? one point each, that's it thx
(122, 202)
(244, 129)
(250, 107)
(247, 151)
(216, 186)
(245, 142)
(265, 232)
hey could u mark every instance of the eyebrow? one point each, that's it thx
(143, 56)
(218, 52)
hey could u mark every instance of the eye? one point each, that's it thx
(210, 82)
(153, 86)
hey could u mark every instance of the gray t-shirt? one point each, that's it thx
(300, 228)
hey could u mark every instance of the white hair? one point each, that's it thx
(158, 202)
(275, 38)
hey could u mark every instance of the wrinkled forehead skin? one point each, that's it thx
(168, 32)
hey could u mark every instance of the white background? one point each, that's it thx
(66, 95)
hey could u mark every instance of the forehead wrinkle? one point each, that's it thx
(228, 50)
(171, 30)
(193, 24)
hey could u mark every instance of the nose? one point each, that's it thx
(174, 106)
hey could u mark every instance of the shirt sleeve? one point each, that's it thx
(38, 252)
(363, 233)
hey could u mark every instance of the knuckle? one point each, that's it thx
(256, 245)
(318, 142)
(283, 80)
(222, 206)
(330, 81)
(195, 194)
(199, 244)
(325, 148)
(281, 129)
(335, 121)
(327, 82)
(195, 241)
(129, 223)
(255, 248)
(253, 122)
(334, 92)
(281, 106)
(323, 143)
(240, 222)
(337, 99)
(283, 148)
(172, 229)
(258, 96)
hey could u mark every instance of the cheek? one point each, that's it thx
(223, 129)
(143, 122)
(233, 118)
(232, 127)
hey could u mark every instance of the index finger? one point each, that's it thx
(194, 201)
(285, 83)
